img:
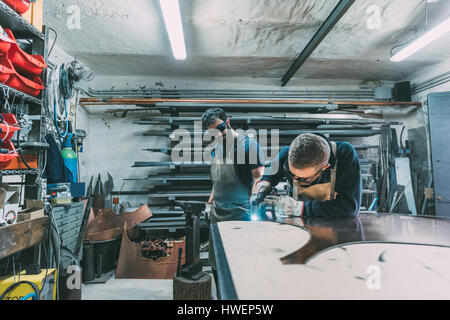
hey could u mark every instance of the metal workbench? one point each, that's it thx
(322, 237)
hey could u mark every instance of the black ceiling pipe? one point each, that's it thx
(324, 29)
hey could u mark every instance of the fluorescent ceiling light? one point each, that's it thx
(172, 19)
(422, 41)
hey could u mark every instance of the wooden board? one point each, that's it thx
(254, 250)
(22, 235)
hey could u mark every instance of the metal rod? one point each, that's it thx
(200, 93)
(150, 101)
(324, 29)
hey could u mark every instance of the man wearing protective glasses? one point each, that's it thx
(324, 179)
(237, 163)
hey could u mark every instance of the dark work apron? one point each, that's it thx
(229, 193)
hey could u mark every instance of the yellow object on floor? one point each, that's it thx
(45, 278)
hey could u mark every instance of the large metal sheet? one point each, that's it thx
(439, 122)
(403, 172)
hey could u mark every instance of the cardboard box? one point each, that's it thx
(35, 14)
(9, 203)
(34, 209)
(38, 14)
(25, 216)
(29, 14)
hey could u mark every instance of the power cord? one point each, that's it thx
(15, 285)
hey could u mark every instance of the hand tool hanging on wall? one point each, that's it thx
(98, 196)
(108, 188)
(83, 227)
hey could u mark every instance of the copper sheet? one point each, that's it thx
(104, 226)
(132, 265)
(105, 235)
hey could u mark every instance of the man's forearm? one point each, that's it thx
(257, 174)
(211, 197)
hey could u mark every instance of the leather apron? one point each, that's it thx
(229, 192)
(319, 192)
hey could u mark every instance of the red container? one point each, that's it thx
(31, 86)
(5, 43)
(20, 6)
(5, 70)
(27, 64)
(8, 126)
(5, 159)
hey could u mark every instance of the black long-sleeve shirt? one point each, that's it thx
(348, 183)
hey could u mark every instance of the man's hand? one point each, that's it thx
(208, 207)
(263, 188)
(285, 205)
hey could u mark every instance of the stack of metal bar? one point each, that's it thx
(191, 181)
(340, 115)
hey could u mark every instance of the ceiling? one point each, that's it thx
(249, 38)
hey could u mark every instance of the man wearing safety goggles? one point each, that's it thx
(237, 163)
(324, 178)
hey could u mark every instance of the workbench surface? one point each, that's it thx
(22, 235)
(384, 256)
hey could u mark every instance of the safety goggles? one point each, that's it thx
(222, 127)
(307, 180)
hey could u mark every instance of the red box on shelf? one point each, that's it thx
(5, 159)
(8, 125)
(20, 6)
(31, 87)
(26, 64)
(5, 71)
(5, 43)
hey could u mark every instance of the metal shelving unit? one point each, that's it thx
(18, 172)
(19, 95)
(10, 19)
(22, 29)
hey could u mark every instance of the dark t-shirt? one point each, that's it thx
(252, 158)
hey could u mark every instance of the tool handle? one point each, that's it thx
(180, 251)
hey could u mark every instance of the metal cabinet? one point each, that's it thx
(439, 122)
(68, 221)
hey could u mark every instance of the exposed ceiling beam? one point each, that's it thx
(324, 29)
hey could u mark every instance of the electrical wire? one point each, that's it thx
(16, 284)
(401, 138)
(54, 42)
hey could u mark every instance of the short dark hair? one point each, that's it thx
(210, 116)
(309, 150)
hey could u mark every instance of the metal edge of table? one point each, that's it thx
(225, 282)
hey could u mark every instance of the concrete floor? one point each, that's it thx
(132, 289)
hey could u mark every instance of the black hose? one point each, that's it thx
(21, 154)
(401, 137)
(15, 285)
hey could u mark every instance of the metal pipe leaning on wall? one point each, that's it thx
(323, 103)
